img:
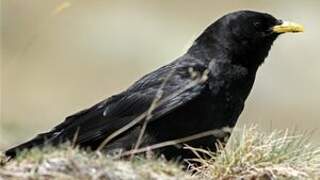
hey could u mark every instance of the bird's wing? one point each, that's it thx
(170, 86)
(173, 85)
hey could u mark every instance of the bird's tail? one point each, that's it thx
(39, 141)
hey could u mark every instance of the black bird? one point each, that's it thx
(204, 89)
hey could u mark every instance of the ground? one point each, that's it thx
(249, 155)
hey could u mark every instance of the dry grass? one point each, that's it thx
(254, 155)
(250, 155)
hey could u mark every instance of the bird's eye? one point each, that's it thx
(258, 25)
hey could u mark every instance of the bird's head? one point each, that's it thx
(245, 37)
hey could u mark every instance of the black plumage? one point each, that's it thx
(204, 89)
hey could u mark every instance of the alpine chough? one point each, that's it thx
(204, 90)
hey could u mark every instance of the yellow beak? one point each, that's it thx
(288, 27)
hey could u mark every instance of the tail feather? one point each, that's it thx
(39, 141)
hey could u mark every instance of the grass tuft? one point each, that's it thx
(254, 155)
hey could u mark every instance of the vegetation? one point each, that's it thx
(254, 155)
(249, 155)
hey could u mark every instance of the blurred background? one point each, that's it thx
(59, 57)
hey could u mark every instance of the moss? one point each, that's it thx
(71, 163)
